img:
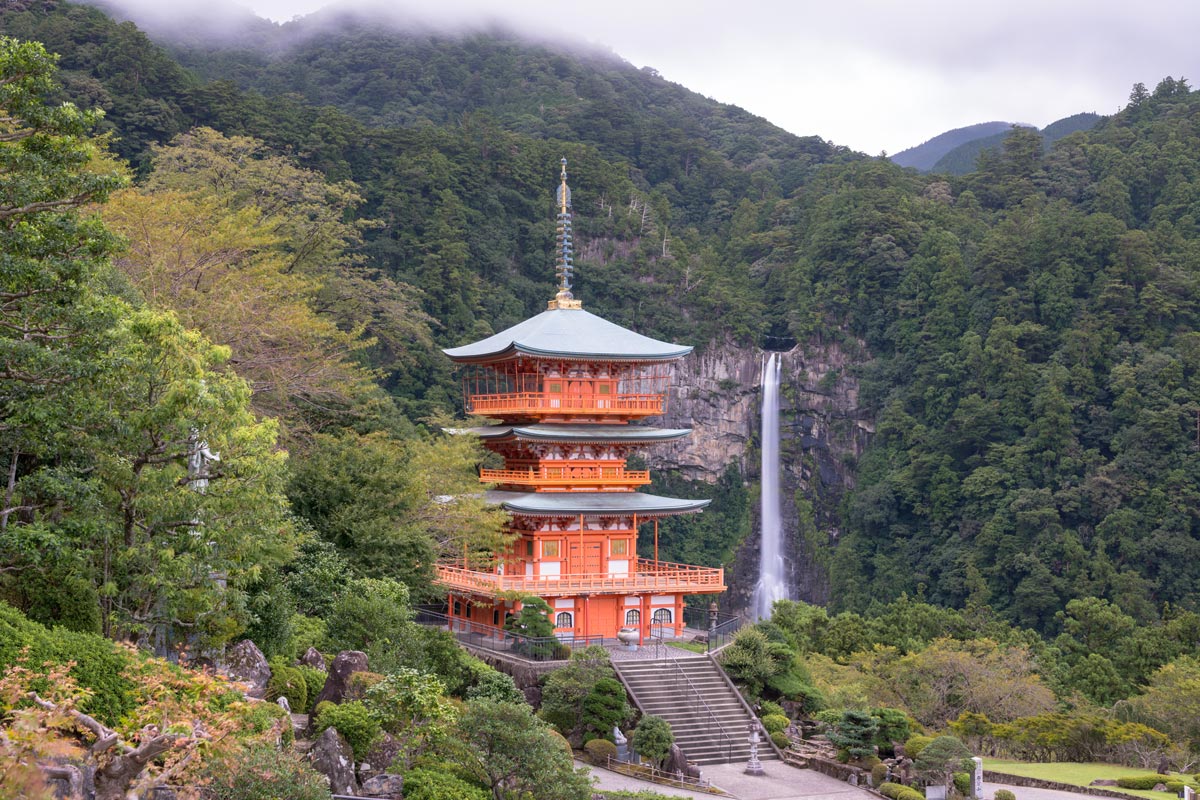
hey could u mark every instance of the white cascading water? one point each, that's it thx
(772, 577)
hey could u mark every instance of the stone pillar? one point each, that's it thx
(977, 779)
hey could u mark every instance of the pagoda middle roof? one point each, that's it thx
(554, 504)
(568, 333)
(631, 434)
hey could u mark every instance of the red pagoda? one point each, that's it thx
(568, 386)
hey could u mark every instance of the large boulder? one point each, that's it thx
(332, 757)
(246, 663)
(386, 786)
(344, 665)
(676, 762)
(312, 658)
(379, 758)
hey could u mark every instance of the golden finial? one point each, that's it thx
(563, 262)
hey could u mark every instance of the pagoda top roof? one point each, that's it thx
(557, 504)
(629, 434)
(568, 333)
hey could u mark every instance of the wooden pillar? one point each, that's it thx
(656, 541)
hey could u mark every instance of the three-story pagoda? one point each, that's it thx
(569, 387)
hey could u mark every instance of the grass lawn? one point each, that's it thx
(1076, 774)
(695, 647)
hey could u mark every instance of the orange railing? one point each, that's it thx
(555, 403)
(589, 476)
(650, 576)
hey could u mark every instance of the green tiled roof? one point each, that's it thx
(571, 333)
(553, 504)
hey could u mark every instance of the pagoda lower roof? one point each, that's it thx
(557, 504)
(570, 333)
(620, 434)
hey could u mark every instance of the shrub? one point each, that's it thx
(428, 784)
(605, 707)
(262, 717)
(321, 708)
(855, 732)
(314, 680)
(773, 723)
(915, 744)
(897, 791)
(653, 738)
(962, 783)
(781, 740)
(879, 774)
(287, 682)
(1004, 794)
(261, 772)
(353, 721)
(767, 707)
(360, 683)
(829, 717)
(1141, 781)
(495, 685)
(599, 751)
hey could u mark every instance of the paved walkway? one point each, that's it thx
(1034, 793)
(780, 783)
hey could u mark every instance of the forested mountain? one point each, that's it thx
(922, 157)
(1025, 333)
(963, 158)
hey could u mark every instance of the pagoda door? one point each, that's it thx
(579, 395)
(585, 560)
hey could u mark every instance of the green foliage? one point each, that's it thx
(567, 687)
(879, 773)
(288, 681)
(1142, 781)
(915, 744)
(940, 759)
(599, 751)
(430, 784)
(604, 708)
(855, 733)
(752, 659)
(893, 725)
(264, 717)
(370, 612)
(354, 721)
(1004, 794)
(773, 723)
(962, 783)
(504, 744)
(411, 706)
(262, 772)
(495, 685)
(314, 682)
(898, 791)
(781, 740)
(652, 738)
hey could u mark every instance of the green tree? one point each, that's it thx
(567, 688)
(652, 739)
(940, 759)
(514, 754)
(855, 733)
(604, 708)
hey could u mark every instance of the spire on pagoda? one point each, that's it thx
(565, 249)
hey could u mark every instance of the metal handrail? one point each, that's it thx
(700, 699)
(567, 475)
(671, 577)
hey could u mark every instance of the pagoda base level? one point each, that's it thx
(634, 619)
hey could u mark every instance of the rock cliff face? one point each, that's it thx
(717, 394)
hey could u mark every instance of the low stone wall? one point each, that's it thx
(1038, 783)
(826, 766)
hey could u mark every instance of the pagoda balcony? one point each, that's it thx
(651, 576)
(568, 478)
(558, 404)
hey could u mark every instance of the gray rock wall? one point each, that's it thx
(824, 432)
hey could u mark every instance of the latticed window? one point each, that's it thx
(563, 620)
(662, 616)
(633, 617)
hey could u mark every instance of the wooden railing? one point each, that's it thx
(568, 476)
(650, 576)
(553, 403)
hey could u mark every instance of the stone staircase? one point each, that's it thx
(710, 722)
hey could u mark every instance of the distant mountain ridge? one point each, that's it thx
(925, 155)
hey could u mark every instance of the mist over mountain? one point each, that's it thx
(923, 156)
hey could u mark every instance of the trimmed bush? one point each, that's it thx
(321, 708)
(287, 682)
(261, 772)
(915, 744)
(829, 717)
(353, 721)
(1142, 781)
(599, 751)
(781, 740)
(766, 708)
(773, 723)
(1175, 786)
(1004, 794)
(427, 784)
(262, 717)
(879, 774)
(897, 791)
(962, 783)
(360, 682)
(314, 680)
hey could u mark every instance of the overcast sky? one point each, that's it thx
(870, 74)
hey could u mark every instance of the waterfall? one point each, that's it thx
(772, 579)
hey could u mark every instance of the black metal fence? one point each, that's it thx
(719, 626)
(497, 640)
